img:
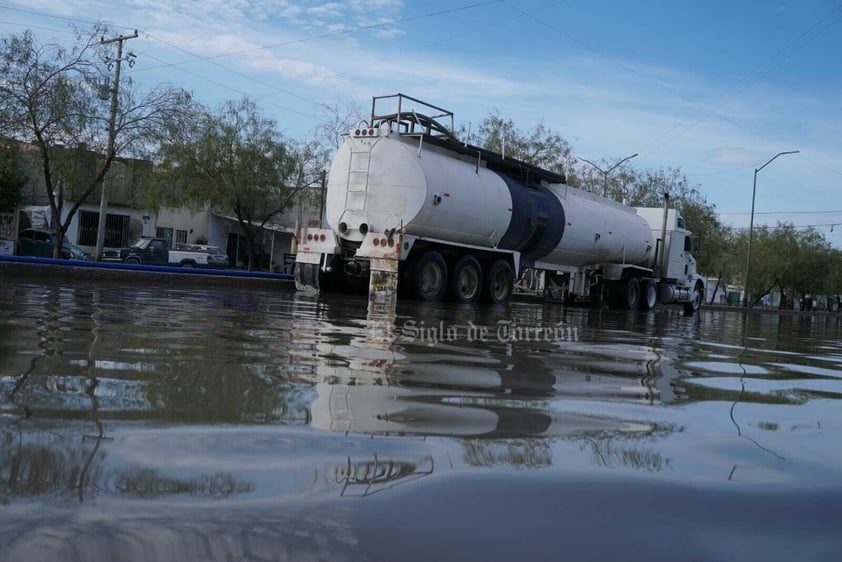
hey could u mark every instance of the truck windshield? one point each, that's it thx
(141, 244)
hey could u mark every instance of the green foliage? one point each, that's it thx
(235, 161)
(540, 145)
(833, 279)
(792, 261)
(12, 180)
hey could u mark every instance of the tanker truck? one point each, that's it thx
(410, 207)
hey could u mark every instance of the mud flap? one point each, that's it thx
(307, 277)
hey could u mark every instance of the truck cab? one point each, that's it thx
(151, 251)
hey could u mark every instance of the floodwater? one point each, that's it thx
(151, 423)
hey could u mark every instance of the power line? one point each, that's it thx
(788, 225)
(53, 29)
(45, 14)
(210, 59)
(721, 172)
(804, 38)
(788, 213)
(351, 31)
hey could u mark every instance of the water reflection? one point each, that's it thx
(616, 388)
(178, 424)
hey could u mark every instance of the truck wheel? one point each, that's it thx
(694, 305)
(499, 282)
(429, 277)
(466, 280)
(649, 296)
(133, 261)
(631, 294)
(187, 264)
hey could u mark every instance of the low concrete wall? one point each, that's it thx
(43, 268)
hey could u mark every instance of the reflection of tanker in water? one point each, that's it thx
(465, 391)
(396, 410)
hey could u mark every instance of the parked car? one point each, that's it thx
(216, 255)
(155, 251)
(40, 243)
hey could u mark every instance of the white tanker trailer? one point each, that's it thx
(408, 204)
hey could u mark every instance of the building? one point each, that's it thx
(127, 219)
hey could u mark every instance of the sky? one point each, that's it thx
(715, 88)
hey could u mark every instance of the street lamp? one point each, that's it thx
(751, 222)
(608, 171)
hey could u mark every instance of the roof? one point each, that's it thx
(268, 226)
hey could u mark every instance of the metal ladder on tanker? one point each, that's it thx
(357, 181)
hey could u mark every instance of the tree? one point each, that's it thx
(12, 180)
(49, 96)
(540, 146)
(235, 160)
(795, 262)
(334, 121)
(833, 280)
(810, 264)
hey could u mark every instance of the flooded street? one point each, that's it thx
(150, 423)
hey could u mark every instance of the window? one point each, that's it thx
(116, 229)
(157, 246)
(181, 236)
(88, 224)
(166, 233)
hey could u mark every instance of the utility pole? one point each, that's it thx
(112, 124)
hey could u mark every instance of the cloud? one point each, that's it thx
(732, 156)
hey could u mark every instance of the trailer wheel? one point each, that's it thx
(499, 282)
(631, 294)
(429, 277)
(649, 296)
(694, 305)
(466, 280)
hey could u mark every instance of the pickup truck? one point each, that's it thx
(155, 251)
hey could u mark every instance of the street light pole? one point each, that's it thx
(751, 222)
(608, 171)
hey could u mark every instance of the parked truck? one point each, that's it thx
(156, 251)
(452, 220)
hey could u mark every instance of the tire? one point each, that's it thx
(649, 295)
(429, 277)
(187, 264)
(694, 305)
(631, 294)
(133, 261)
(499, 282)
(466, 280)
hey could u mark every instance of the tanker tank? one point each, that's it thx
(380, 182)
